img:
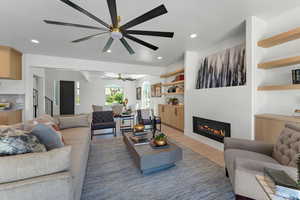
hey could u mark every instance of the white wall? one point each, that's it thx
(277, 102)
(230, 104)
(32, 61)
(91, 92)
(154, 100)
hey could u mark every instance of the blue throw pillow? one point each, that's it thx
(48, 136)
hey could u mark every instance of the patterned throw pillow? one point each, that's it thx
(13, 142)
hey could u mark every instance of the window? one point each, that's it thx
(114, 94)
(77, 93)
(146, 92)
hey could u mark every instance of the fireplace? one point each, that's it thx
(212, 129)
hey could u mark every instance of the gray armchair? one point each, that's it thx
(244, 159)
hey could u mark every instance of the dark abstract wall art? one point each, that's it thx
(223, 69)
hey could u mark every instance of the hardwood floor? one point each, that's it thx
(196, 146)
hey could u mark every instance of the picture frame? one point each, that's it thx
(138, 93)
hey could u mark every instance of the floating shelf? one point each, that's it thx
(280, 38)
(173, 93)
(279, 87)
(180, 71)
(280, 63)
(173, 83)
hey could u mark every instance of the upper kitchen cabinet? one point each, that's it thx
(10, 63)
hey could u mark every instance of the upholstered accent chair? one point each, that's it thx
(244, 159)
(146, 117)
(103, 120)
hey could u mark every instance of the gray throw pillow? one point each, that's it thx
(74, 121)
(48, 136)
(13, 142)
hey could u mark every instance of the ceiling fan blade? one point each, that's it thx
(74, 25)
(160, 10)
(88, 37)
(127, 46)
(113, 12)
(151, 33)
(87, 13)
(130, 79)
(108, 44)
(146, 44)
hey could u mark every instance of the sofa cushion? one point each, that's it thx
(74, 135)
(74, 121)
(13, 142)
(13, 168)
(231, 156)
(80, 140)
(48, 136)
(287, 147)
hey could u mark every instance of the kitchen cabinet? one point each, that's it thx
(10, 63)
(172, 115)
(10, 117)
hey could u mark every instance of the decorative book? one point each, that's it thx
(283, 185)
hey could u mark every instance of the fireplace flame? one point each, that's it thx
(212, 130)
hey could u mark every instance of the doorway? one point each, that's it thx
(67, 97)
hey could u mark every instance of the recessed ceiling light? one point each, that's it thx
(159, 58)
(108, 51)
(194, 35)
(35, 41)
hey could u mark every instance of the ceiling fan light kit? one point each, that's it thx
(118, 32)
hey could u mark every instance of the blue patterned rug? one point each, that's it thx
(112, 175)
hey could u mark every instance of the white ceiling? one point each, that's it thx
(212, 20)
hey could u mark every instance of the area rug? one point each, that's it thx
(112, 175)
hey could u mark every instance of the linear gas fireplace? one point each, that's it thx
(212, 129)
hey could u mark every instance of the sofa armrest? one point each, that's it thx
(254, 165)
(248, 145)
(55, 186)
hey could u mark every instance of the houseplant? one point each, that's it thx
(160, 140)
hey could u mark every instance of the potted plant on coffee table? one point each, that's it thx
(160, 140)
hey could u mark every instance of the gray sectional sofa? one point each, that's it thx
(54, 175)
(244, 159)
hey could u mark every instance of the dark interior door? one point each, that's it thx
(67, 98)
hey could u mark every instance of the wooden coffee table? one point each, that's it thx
(150, 160)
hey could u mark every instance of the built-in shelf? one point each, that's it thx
(173, 83)
(279, 87)
(280, 63)
(180, 71)
(280, 38)
(173, 93)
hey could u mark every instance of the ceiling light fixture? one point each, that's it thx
(35, 41)
(108, 51)
(159, 58)
(194, 35)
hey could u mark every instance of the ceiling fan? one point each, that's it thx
(116, 31)
(119, 76)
